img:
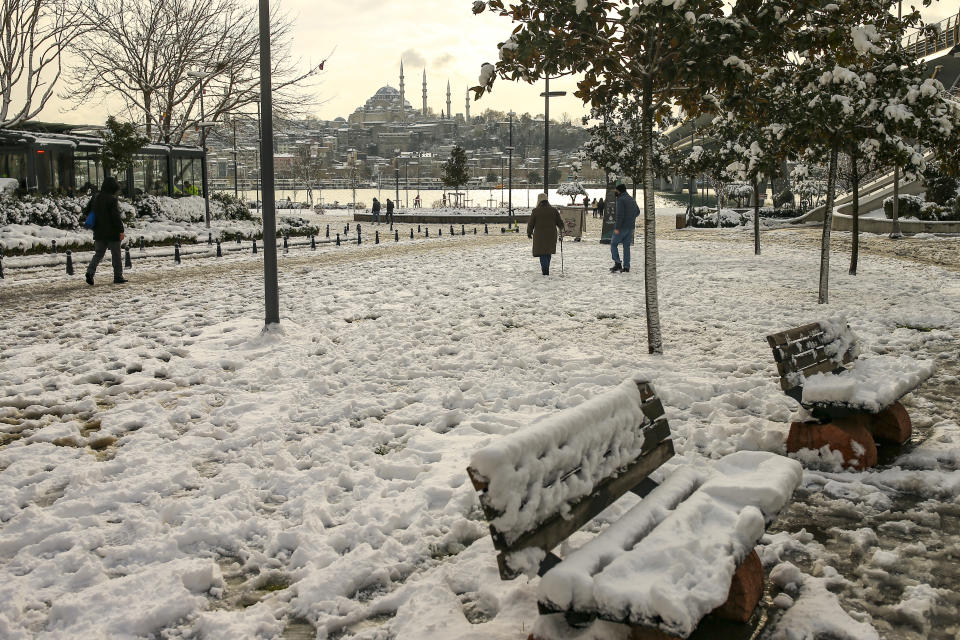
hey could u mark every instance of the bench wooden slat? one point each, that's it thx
(794, 349)
(655, 433)
(784, 337)
(652, 409)
(557, 529)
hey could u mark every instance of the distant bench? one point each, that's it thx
(684, 551)
(851, 401)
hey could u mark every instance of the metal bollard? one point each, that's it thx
(439, 231)
(239, 241)
(254, 245)
(426, 233)
(376, 236)
(69, 264)
(313, 243)
(338, 239)
(486, 229)
(328, 231)
(396, 236)
(219, 250)
(285, 245)
(346, 229)
(411, 233)
(418, 229)
(463, 231)
(391, 225)
(127, 262)
(176, 252)
(209, 238)
(143, 244)
(1, 266)
(474, 231)
(53, 246)
(452, 232)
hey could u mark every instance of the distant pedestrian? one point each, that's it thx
(542, 227)
(376, 211)
(390, 210)
(107, 229)
(416, 202)
(598, 212)
(627, 212)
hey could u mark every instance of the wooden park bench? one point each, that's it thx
(850, 402)
(683, 551)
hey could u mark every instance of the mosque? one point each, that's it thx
(390, 106)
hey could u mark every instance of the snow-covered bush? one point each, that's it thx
(185, 209)
(62, 212)
(917, 207)
(572, 189)
(230, 207)
(780, 213)
(738, 191)
(706, 217)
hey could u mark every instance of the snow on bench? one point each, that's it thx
(811, 360)
(854, 402)
(543, 477)
(667, 562)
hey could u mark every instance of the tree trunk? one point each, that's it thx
(756, 216)
(855, 240)
(827, 225)
(654, 340)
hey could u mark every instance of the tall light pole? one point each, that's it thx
(270, 285)
(895, 226)
(236, 189)
(547, 94)
(406, 183)
(396, 176)
(203, 144)
(510, 186)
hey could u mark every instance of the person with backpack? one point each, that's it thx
(389, 210)
(107, 225)
(627, 212)
(376, 211)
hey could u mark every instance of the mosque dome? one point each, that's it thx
(386, 98)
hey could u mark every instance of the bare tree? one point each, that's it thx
(33, 37)
(146, 50)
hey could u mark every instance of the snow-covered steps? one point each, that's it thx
(667, 562)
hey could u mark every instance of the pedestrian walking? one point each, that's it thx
(542, 228)
(107, 229)
(376, 211)
(627, 212)
(593, 207)
(598, 212)
(390, 210)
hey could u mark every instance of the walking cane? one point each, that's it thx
(561, 253)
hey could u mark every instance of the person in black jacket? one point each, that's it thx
(389, 211)
(107, 229)
(376, 211)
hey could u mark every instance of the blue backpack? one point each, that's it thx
(90, 221)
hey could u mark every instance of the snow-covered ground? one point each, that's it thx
(166, 470)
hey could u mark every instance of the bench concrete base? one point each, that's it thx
(891, 425)
(746, 590)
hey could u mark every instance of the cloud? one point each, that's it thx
(413, 58)
(442, 61)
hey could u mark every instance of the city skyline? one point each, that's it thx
(443, 38)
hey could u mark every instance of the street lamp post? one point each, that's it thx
(510, 165)
(236, 189)
(203, 145)
(547, 94)
(270, 285)
(406, 183)
(895, 227)
(396, 176)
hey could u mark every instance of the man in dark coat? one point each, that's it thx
(627, 212)
(543, 225)
(389, 210)
(107, 229)
(376, 211)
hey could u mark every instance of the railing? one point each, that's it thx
(934, 37)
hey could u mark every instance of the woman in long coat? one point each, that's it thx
(543, 225)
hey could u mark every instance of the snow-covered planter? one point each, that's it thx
(230, 207)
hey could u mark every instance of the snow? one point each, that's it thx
(598, 436)
(670, 565)
(334, 453)
(872, 384)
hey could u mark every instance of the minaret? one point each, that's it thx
(424, 92)
(403, 111)
(468, 105)
(448, 99)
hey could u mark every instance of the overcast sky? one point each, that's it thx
(371, 36)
